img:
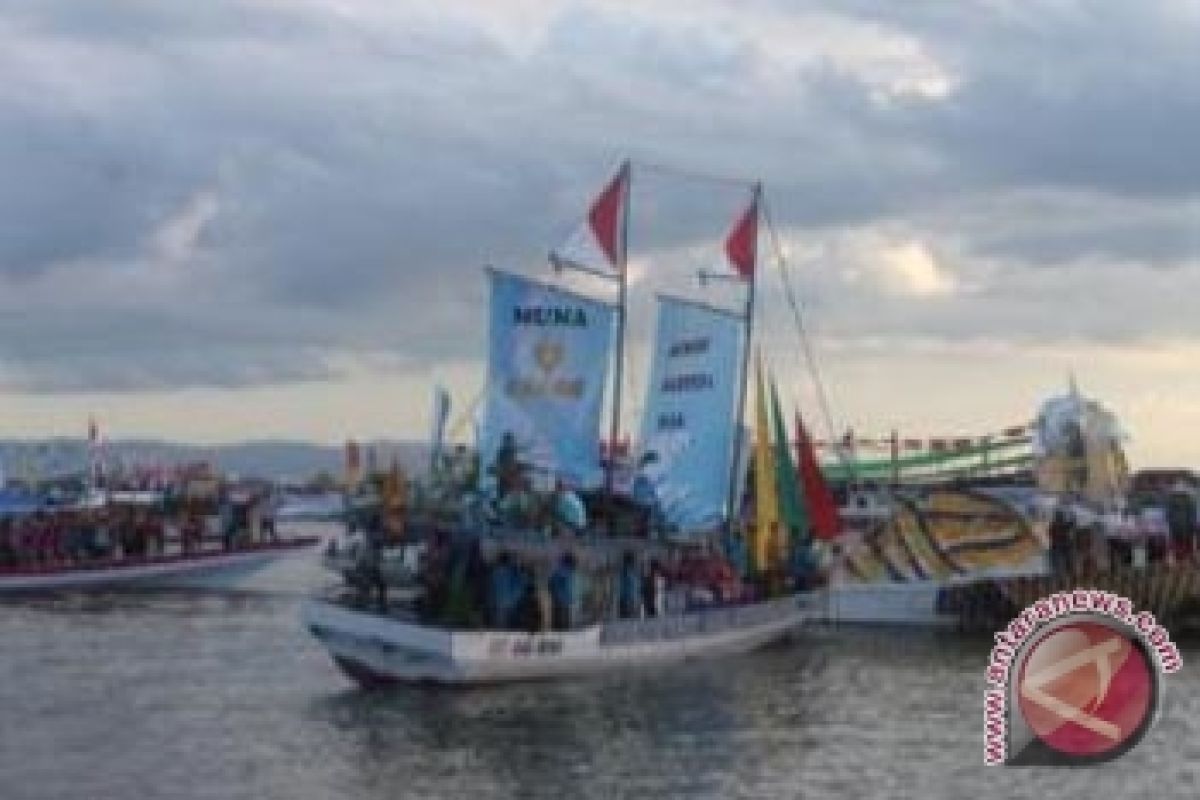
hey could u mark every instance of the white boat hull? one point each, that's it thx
(200, 570)
(885, 604)
(376, 649)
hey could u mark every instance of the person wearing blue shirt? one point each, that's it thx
(629, 588)
(508, 589)
(565, 594)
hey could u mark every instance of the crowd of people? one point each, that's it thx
(551, 576)
(1161, 533)
(64, 537)
(465, 589)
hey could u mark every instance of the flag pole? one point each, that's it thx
(738, 434)
(618, 371)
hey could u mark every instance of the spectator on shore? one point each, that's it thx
(1060, 531)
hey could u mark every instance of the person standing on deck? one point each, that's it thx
(646, 496)
(228, 523)
(629, 588)
(565, 594)
(653, 588)
(507, 468)
(507, 591)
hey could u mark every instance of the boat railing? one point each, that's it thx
(709, 621)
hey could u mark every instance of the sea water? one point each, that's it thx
(202, 695)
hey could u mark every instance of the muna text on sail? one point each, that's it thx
(546, 316)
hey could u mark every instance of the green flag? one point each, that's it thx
(791, 504)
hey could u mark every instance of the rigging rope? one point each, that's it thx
(805, 344)
(782, 265)
(691, 174)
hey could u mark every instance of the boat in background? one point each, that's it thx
(200, 531)
(968, 540)
(208, 569)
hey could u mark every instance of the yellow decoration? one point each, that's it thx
(767, 541)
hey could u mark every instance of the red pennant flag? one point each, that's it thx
(741, 246)
(596, 245)
(605, 216)
(822, 508)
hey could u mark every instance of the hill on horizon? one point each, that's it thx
(267, 458)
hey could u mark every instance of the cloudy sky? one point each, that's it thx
(242, 219)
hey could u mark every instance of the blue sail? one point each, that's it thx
(687, 432)
(548, 361)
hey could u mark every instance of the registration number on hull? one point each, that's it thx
(525, 646)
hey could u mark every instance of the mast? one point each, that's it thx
(600, 247)
(738, 434)
(618, 370)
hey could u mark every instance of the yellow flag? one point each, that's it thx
(765, 542)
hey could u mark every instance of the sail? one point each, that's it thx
(765, 543)
(687, 438)
(822, 508)
(787, 480)
(597, 245)
(548, 359)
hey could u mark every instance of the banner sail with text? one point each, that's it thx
(548, 356)
(687, 427)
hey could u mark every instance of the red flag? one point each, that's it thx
(822, 508)
(741, 245)
(597, 243)
(605, 216)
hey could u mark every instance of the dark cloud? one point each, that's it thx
(358, 167)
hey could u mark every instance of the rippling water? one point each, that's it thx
(188, 695)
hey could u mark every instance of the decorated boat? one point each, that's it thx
(981, 527)
(137, 538)
(559, 558)
(213, 568)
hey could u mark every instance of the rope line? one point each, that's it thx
(798, 318)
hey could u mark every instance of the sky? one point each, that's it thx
(267, 219)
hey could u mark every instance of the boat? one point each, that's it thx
(966, 540)
(208, 569)
(546, 512)
(212, 536)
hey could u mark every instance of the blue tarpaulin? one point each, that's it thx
(15, 503)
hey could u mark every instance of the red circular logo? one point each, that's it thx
(1087, 689)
